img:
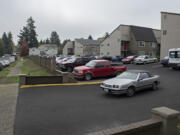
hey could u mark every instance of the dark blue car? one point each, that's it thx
(165, 61)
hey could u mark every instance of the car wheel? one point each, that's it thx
(69, 69)
(155, 86)
(88, 77)
(130, 92)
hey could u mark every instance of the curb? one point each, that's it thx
(64, 84)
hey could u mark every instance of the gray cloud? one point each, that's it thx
(79, 18)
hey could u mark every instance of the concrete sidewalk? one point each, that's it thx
(8, 97)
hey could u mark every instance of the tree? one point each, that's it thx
(54, 39)
(47, 41)
(24, 48)
(10, 43)
(29, 34)
(106, 35)
(5, 41)
(1, 47)
(90, 37)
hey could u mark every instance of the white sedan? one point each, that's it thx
(130, 81)
(144, 59)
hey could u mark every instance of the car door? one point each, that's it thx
(99, 69)
(144, 81)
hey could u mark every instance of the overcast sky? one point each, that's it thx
(79, 18)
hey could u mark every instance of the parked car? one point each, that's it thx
(98, 68)
(73, 62)
(107, 58)
(144, 59)
(3, 63)
(131, 81)
(59, 61)
(128, 60)
(117, 58)
(165, 61)
(1, 66)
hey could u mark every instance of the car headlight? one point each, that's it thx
(80, 71)
(115, 86)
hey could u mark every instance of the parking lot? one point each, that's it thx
(78, 110)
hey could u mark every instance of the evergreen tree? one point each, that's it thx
(54, 39)
(6, 42)
(90, 37)
(10, 43)
(47, 41)
(1, 47)
(29, 34)
(106, 35)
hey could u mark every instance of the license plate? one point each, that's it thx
(106, 90)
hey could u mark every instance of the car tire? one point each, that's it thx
(130, 92)
(154, 86)
(69, 69)
(88, 77)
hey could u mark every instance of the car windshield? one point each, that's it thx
(142, 56)
(166, 57)
(129, 57)
(71, 60)
(91, 64)
(128, 75)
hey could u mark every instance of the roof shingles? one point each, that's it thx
(143, 34)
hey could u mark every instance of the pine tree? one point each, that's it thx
(90, 37)
(10, 43)
(54, 39)
(5, 41)
(1, 47)
(29, 34)
(47, 41)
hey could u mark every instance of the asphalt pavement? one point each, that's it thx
(78, 110)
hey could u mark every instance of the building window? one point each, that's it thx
(102, 45)
(108, 44)
(164, 32)
(101, 53)
(153, 45)
(108, 53)
(141, 44)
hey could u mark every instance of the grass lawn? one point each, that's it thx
(30, 68)
(6, 71)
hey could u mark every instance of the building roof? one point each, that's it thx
(170, 13)
(143, 34)
(88, 42)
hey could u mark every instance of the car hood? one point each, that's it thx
(117, 81)
(82, 68)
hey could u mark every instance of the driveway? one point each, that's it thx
(78, 110)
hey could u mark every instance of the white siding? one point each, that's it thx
(170, 24)
(114, 41)
(78, 49)
(111, 45)
(69, 44)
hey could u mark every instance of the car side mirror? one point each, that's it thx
(140, 79)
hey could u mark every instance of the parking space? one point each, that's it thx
(78, 110)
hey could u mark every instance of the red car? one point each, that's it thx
(128, 59)
(98, 68)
